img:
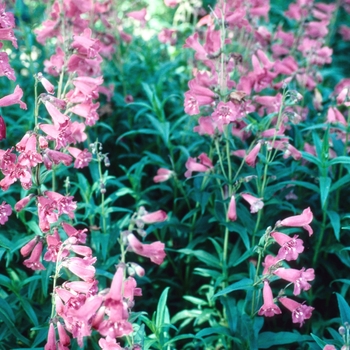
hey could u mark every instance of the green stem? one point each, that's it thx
(320, 236)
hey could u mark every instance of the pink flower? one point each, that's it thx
(157, 216)
(46, 84)
(302, 220)
(171, 3)
(139, 15)
(269, 308)
(232, 213)
(298, 277)
(23, 202)
(34, 260)
(269, 262)
(80, 235)
(109, 343)
(334, 116)
(30, 157)
(2, 128)
(53, 246)
(300, 312)
(167, 36)
(5, 212)
(64, 339)
(329, 347)
(290, 247)
(5, 68)
(58, 157)
(204, 164)
(206, 126)
(81, 267)
(252, 155)
(154, 251)
(51, 339)
(163, 175)
(85, 45)
(82, 158)
(255, 203)
(14, 98)
(225, 113)
(28, 248)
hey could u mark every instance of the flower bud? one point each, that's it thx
(2, 128)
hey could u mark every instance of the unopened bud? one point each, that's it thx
(140, 271)
(106, 161)
(342, 330)
(43, 144)
(2, 128)
(142, 233)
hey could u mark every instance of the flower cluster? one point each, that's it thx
(79, 305)
(290, 248)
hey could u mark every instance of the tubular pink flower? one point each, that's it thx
(157, 216)
(206, 126)
(115, 292)
(269, 308)
(27, 249)
(14, 98)
(255, 203)
(290, 247)
(63, 337)
(58, 157)
(109, 343)
(329, 347)
(300, 312)
(334, 116)
(303, 220)
(154, 251)
(163, 175)
(298, 277)
(80, 235)
(5, 212)
(232, 213)
(252, 155)
(81, 267)
(51, 339)
(2, 128)
(82, 158)
(269, 262)
(87, 288)
(171, 3)
(46, 84)
(34, 261)
(138, 15)
(204, 165)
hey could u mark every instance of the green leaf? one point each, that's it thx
(179, 337)
(27, 307)
(318, 340)
(312, 159)
(335, 222)
(325, 185)
(341, 182)
(162, 310)
(243, 284)
(195, 300)
(245, 256)
(7, 316)
(135, 132)
(344, 309)
(340, 160)
(268, 339)
(213, 330)
(203, 256)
